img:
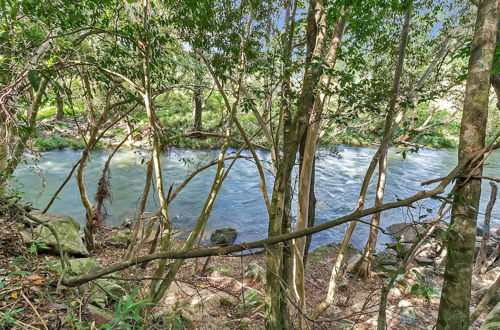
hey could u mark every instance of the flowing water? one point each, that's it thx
(240, 203)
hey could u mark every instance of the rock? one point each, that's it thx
(386, 257)
(226, 302)
(255, 272)
(353, 261)
(198, 304)
(224, 236)
(424, 261)
(121, 238)
(251, 300)
(407, 314)
(487, 279)
(401, 248)
(492, 320)
(113, 288)
(389, 268)
(343, 284)
(78, 266)
(98, 315)
(406, 232)
(221, 270)
(68, 231)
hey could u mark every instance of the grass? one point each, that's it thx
(54, 142)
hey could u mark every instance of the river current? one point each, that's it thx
(240, 203)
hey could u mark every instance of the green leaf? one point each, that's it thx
(34, 79)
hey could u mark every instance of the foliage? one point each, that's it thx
(424, 287)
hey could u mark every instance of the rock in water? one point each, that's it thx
(224, 236)
(67, 229)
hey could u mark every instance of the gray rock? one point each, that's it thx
(387, 257)
(401, 248)
(492, 320)
(78, 266)
(389, 268)
(67, 229)
(406, 232)
(255, 272)
(353, 261)
(407, 313)
(99, 315)
(224, 236)
(424, 261)
(250, 300)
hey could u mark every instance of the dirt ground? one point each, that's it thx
(205, 295)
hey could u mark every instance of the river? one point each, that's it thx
(240, 203)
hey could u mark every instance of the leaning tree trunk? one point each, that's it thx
(306, 184)
(455, 299)
(363, 268)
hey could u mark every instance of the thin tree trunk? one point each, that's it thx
(364, 266)
(332, 286)
(20, 146)
(307, 162)
(198, 108)
(481, 254)
(275, 301)
(456, 294)
(90, 215)
(135, 245)
(59, 106)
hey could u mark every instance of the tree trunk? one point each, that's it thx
(306, 184)
(456, 295)
(495, 77)
(364, 266)
(59, 106)
(12, 160)
(198, 108)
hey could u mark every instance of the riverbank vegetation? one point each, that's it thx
(287, 77)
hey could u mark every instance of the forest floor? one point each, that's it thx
(223, 293)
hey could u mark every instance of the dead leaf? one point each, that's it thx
(33, 277)
(38, 282)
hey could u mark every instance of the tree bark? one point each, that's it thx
(456, 295)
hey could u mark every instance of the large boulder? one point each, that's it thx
(387, 257)
(67, 229)
(406, 232)
(78, 266)
(224, 236)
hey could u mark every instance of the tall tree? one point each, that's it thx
(455, 299)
